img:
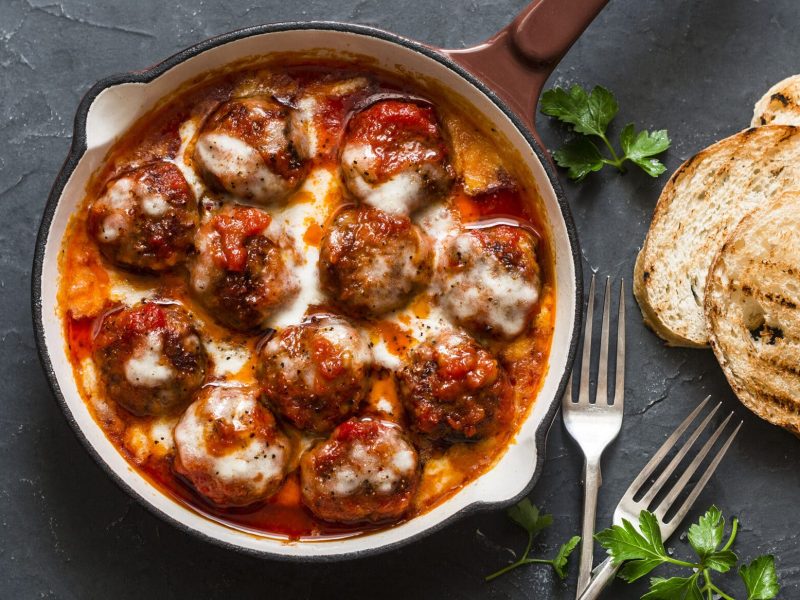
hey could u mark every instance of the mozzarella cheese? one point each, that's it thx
(154, 205)
(400, 194)
(487, 289)
(294, 218)
(256, 462)
(147, 367)
(239, 167)
(362, 467)
(228, 358)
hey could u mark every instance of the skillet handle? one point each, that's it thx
(517, 61)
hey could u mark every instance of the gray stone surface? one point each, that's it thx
(66, 531)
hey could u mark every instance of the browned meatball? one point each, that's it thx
(452, 389)
(366, 471)
(394, 156)
(145, 219)
(488, 280)
(371, 262)
(315, 374)
(245, 149)
(238, 273)
(150, 357)
(230, 448)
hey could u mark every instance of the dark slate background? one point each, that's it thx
(66, 531)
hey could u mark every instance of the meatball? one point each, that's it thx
(488, 280)
(238, 273)
(453, 389)
(145, 219)
(372, 262)
(320, 112)
(315, 374)
(230, 448)
(394, 156)
(245, 149)
(150, 357)
(366, 471)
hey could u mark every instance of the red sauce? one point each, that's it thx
(281, 516)
(79, 336)
(400, 134)
(234, 228)
(156, 136)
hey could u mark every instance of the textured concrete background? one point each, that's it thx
(66, 531)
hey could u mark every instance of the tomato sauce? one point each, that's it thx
(89, 284)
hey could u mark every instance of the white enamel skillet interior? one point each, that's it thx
(114, 104)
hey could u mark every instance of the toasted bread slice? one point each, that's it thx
(752, 306)
(700, 205)
(780, 105)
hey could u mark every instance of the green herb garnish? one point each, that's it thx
(643, 550)
(528, 516)
(589, 114)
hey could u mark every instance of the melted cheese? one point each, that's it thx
(113, 225)
(294, 218)
(120, 195)
(353, 342)
(229, 358)
(487, 289)
(363, 467)
(145, 439)
(304, 130)
(154, 205)
(239, 167)
(399, 195)
(256, 462)
(147, 366)
(187, 131)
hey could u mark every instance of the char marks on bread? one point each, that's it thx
(699, 207)
(780, 105)
(751, 306)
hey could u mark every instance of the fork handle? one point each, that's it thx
(592, 480)
(603, 575)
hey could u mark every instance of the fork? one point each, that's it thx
(629, 508)
(595, 425)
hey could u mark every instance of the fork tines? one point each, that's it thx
(665, 503)
(601, 393)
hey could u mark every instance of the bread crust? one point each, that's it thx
(752, 307)
(700, 204)
(780, 105)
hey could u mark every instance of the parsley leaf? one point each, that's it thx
(560, 561)
(640, 148)
(642, 550)
(527, 515)
(580, 156)
(721, 562)
(760, 578)
(705, 536)
(589, 114)
(674, 588)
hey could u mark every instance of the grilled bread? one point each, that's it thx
(780, 105)
(752, 306)
(700, 205)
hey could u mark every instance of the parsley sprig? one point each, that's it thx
(643, 550)
(589, 114)
(528, 516)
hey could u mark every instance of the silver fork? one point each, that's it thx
(595, 425)
(629, 508)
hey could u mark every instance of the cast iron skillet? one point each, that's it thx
(502, 78)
